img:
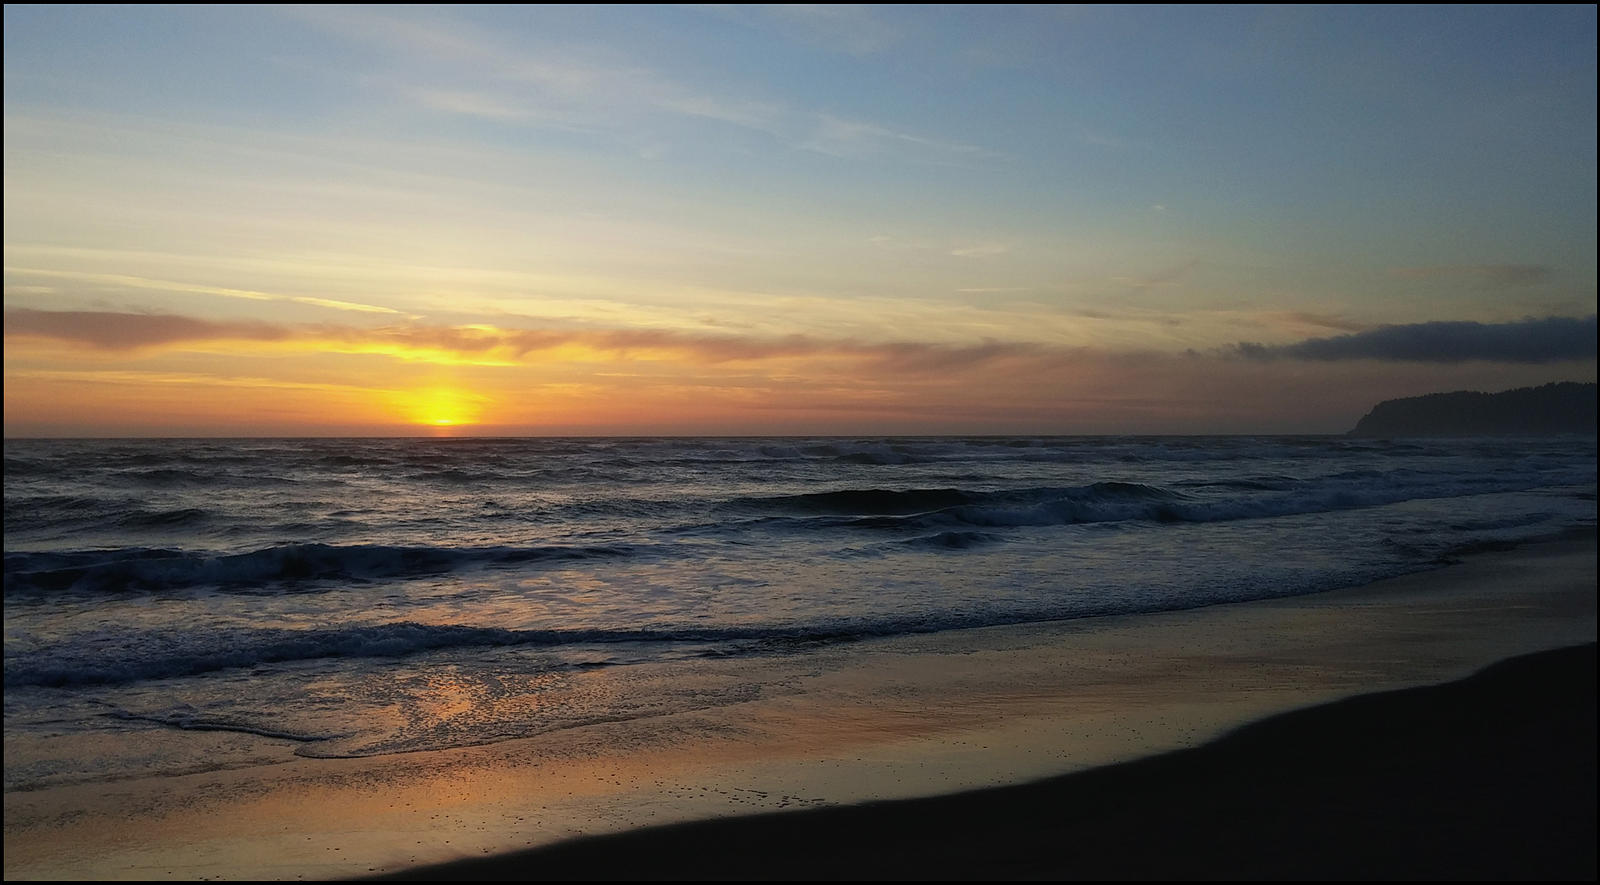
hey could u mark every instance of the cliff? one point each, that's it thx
(1565, 407)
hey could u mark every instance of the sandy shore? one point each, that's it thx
(911, 717)
(1491, 777)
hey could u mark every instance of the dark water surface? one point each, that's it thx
(368, 596)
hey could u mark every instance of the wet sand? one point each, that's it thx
(925, 716)
(1492, 777)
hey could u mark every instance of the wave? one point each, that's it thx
(953, 540)
(1097, 502)
(187, 719)
(454, 475)
(363, 460)
(862, 501)
(914, 510)
(28, 511)
(911, 508)
(107, 657)
(142, 657)
(1270, 483)
(146, 569)
(183, 516)
(903, 501)
(170, 476)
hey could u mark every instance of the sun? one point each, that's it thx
(441, 407)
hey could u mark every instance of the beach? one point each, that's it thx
(937, 714)
(1492, 777)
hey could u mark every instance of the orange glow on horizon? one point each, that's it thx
(440, 407)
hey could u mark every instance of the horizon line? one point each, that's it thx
(661, 436)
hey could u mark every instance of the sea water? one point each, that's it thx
(354, 597)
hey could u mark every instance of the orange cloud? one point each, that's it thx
(102, 330)
(483, 345)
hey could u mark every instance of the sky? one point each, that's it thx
(743, 220)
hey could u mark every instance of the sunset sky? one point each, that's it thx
(780, 220)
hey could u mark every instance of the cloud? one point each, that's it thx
(104, 330)
(1300, 323)
(472, 104)
(1488, 275)
(134, 282)
(488, 345)
(980, 250)
(494, 81)
(179, 379)
(663, 381)
(1164, 277)
(1547, 340)
(840, 137)
(451, 66)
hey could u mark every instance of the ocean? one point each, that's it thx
(359, 597)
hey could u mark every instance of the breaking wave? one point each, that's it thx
(146, 569)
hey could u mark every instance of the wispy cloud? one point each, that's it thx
(980, 250)
(1301, 320)
(472, 104)
(840, 137)
(1164, 277)
(137, 378)
(1547, 340)
(136, 282)
(452, 67)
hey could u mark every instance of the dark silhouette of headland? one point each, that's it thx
(1563, 407)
